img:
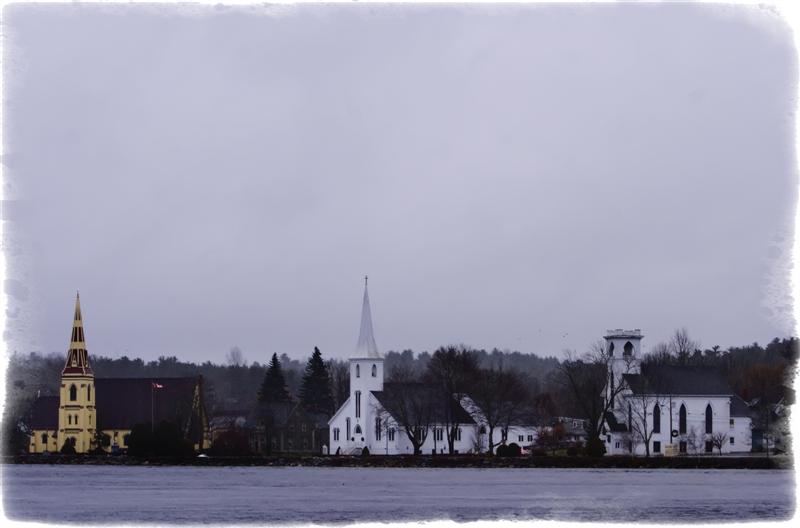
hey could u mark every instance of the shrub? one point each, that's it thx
(539, 452)
(572, 451)
(69, 446)
(595, 447)
(365, 451)
(513, 450)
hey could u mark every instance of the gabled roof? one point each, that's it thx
(671, 379)
(614, 425)
(421, 392)
(125, 402)
(740, 408)
(43, 414)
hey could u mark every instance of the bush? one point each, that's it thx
(69, 446)
(232, 442)
(365, 451)
(595, 448)
(513, 450)
(572, 451)
(539, 452)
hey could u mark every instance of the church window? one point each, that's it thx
(69, 419)
(358, 429)
(377, 428)
(656, 447)
(336, 434)
(374, 371)
(391, 434)
(347, 428)
(438, 434)
(627, 349)
(656, 419)
(682, 420)
(611, 349)
(89, 393)
(709, 419)
(732, 442)
(358, 404)
(73, 393)
(44, 438)
(458, 434)
(731, 423)
(358, 371)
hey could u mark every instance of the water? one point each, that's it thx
(134, 494)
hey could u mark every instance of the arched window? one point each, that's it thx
(628, 350)
(358, 429)
(347, 426)
(377, 428)
(69, 419)
(682, 420)
(374, 371)
(44, 438)
(73, 393)
(358, 371)
(611, 349)
(709, 419)
(358, 404)
(656, 419)
(88, 393)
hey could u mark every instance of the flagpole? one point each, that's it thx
(152, 414)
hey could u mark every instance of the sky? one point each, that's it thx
(519, 177)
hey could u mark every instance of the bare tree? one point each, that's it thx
(235, 358)
(646, 397)
(682, 346)
(452, 370)
(589, 383)
(499, 397)
(718, 440)
(410, 404)
(694, 441)
(339, 374)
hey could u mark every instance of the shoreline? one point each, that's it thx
(421, 461)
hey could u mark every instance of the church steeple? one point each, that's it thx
(366, 346)
(77, 356)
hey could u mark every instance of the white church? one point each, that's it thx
(669, 409)
(362, 421)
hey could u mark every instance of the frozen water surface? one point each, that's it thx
(126, 494)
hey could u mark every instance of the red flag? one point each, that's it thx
(157, 385)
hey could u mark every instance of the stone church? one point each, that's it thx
(102, 411)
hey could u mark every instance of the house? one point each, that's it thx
(666, 409)
(94, 412)
(287, 427)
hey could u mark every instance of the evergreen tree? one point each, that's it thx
(273, 388)
(315, 391)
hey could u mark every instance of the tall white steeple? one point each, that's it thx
(366, 347)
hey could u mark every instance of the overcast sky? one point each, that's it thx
(511, 177)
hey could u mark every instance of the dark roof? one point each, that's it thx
(419, 392)
(43, 413)
(125, 402)
(739, 407)
(671, 379)
(614, 425)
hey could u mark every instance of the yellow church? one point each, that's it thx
(86, 405)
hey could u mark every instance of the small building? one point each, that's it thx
(287, 427)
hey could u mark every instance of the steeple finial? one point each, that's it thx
(77, 355)
(366, 346)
